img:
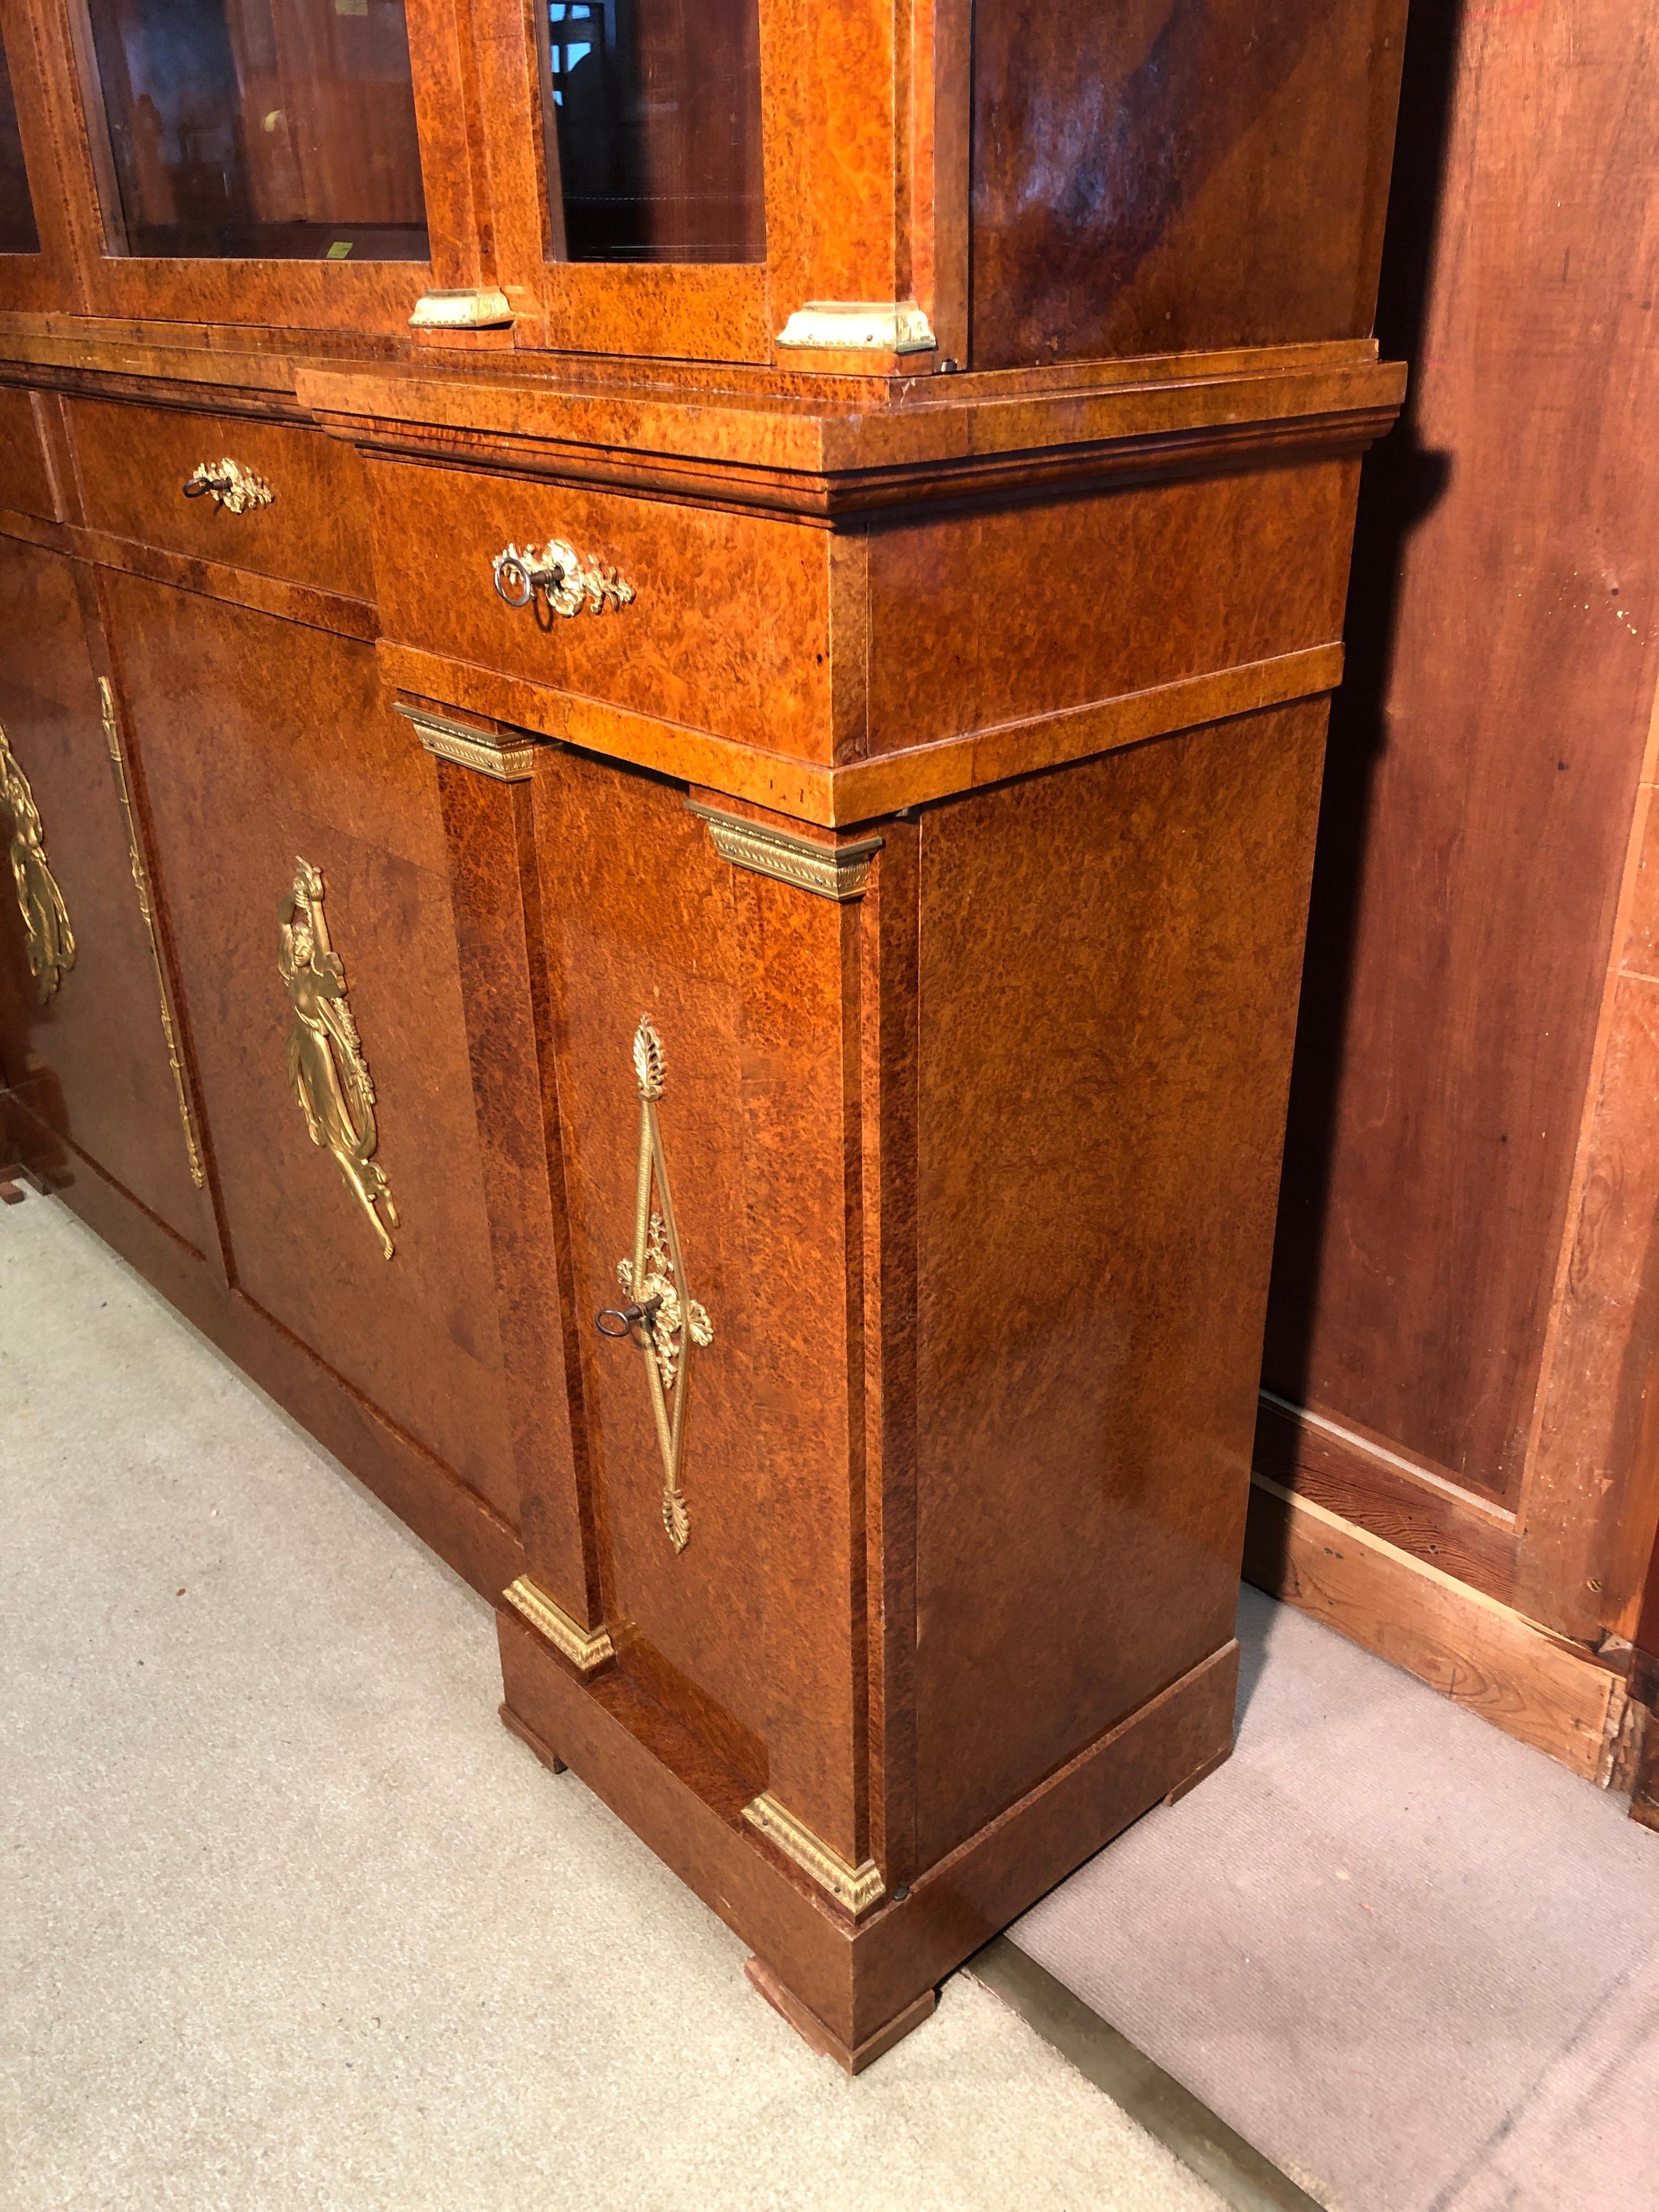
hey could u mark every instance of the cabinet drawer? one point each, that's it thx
(25, 481)
(134, 462)
(728, 629)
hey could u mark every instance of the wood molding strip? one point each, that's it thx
(305, 604)
(836, 797)
(1530, 1682)
(1413, 1508)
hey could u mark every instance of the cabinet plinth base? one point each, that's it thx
(807, 2025)
(847, 1983)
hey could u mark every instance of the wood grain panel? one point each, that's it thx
(1484, 759)
(1178, 172)
(1414, 1508)
(1108, 959)
(497, 911)
(93, 1059)
(748, 1633)
(25, 478)
(966, 611)
(280, 746)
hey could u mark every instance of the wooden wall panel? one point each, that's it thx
(1485, 755)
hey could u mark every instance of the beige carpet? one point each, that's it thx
(1413, 1961)
(287, 1919)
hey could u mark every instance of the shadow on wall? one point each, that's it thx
(1401, 482)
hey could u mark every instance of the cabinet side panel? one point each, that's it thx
(1108, 968)
(965, 609)
(1187, 174)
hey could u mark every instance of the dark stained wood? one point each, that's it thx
(1362, 1479)
(19, 232)
(1168, 175)
(1465, 1281)
(25, 477)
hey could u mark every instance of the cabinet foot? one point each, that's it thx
(549, 1758)
(807, 2025)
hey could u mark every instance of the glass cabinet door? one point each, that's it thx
(651, 114)
(267, 129)
(17, 232)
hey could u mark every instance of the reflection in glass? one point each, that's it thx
(17, 231)
(271, 129)
(654, 107)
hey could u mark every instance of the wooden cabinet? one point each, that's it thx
(726, 741)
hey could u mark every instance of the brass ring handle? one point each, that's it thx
(629, 1317)
(228, 484)
(568, 583)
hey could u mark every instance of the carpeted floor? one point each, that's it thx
(1413, 1961)
(287, 1920)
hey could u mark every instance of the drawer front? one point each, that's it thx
(25, 480)
(134, 462)
(727, 630)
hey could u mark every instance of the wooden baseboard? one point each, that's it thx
(1524, 1679)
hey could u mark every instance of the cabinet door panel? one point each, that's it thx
(264, 743)
(749, 1631)
(92, 1062)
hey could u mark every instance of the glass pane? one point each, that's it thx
(655, 139)
(271, 129)
(17, 231)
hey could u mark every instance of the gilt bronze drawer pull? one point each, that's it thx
(568, 585)
(228, 484)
